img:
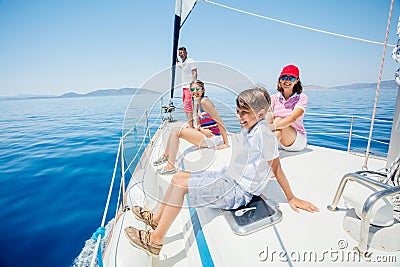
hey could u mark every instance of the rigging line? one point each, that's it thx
(297, 25)
(378, 86)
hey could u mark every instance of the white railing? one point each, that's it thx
(345, 128)
(140, 142)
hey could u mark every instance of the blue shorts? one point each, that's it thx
(214, 189)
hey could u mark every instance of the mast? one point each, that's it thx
(182, 11)
(177, 27)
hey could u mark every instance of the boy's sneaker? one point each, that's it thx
(145, 216)
(160, 161)
(141, 239)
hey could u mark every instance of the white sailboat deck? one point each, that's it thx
(202, 236)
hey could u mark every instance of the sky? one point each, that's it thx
(51, 47)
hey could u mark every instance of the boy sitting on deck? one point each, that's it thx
(229, 188)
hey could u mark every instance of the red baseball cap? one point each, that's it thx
(290, 70)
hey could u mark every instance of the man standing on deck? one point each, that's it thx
(189, 74)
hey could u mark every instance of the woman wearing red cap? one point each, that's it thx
(288, 107)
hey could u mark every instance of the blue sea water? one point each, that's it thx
(57, 157)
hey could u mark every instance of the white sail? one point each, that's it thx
(183, 8)
(394, 147)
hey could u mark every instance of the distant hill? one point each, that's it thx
(391, 84)
(111, 92)
(102, 92)
(316, 87)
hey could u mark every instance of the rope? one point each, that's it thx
(378, 86)
(101, 231)
(297, 25)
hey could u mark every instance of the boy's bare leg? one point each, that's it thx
(171, 206)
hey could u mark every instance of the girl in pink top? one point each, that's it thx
(287, 110)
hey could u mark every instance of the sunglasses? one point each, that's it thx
(290, 78)
(192, 89)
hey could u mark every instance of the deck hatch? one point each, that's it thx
(258, 214)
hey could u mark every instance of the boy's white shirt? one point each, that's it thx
(249, 165)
